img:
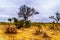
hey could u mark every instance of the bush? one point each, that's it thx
(23, 23)
(20, 24)
(37, 32)
(11, 30)
(27, 24)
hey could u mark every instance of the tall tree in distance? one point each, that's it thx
(26, 12)
(57, 17)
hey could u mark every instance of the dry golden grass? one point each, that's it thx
(30, 33)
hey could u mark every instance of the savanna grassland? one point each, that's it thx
(37, 31)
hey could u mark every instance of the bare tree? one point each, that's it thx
(26, 12)
(57, 17)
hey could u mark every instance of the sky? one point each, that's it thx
(46, 8)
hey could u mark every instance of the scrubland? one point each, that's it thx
(40, 31)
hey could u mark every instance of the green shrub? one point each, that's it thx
(27, 24)
(22, 23)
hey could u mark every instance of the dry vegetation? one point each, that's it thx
(42, 31)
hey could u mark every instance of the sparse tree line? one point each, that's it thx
(25, 12)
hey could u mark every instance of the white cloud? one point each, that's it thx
(45, 7)
(49, 5)
(5, 16)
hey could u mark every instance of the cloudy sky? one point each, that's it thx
(46, 8)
